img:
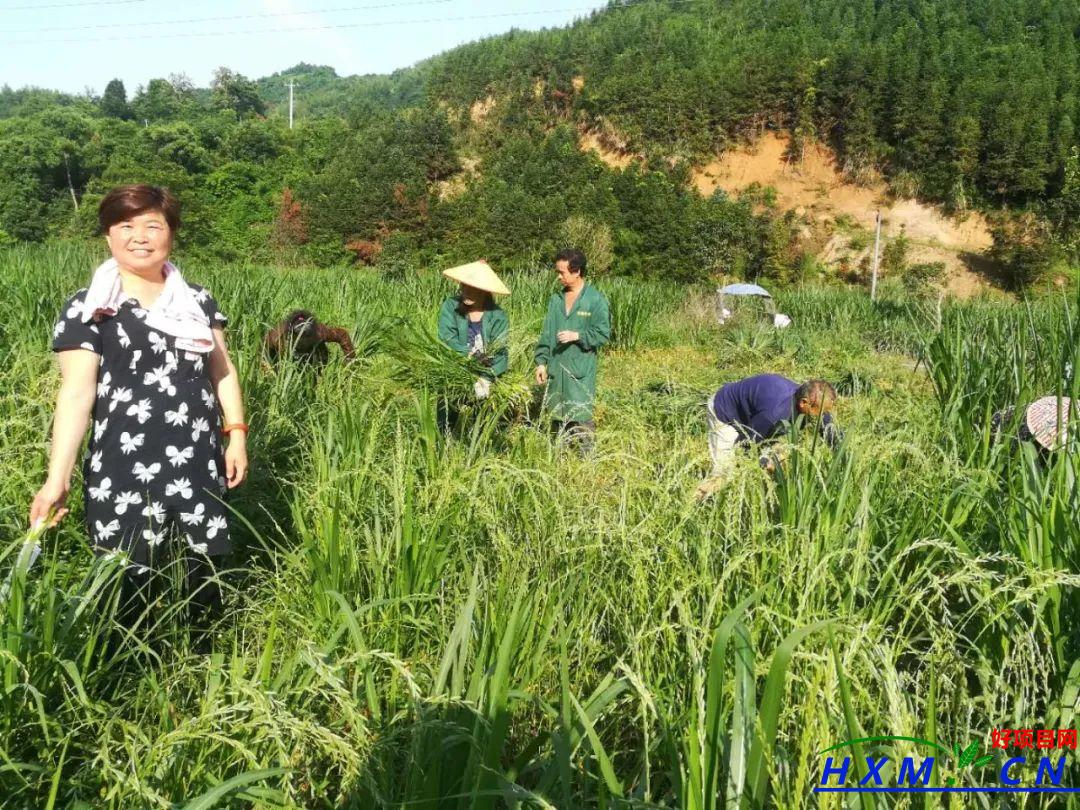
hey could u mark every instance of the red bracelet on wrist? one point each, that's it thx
(227, 429)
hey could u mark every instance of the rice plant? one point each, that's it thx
(494, 622)
(632, 305)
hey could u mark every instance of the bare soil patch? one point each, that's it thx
(608, 149)
(816, 189)
(480, 109)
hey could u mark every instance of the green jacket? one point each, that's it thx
(494, 328)
(571, 367)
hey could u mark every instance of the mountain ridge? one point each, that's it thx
(967, 104)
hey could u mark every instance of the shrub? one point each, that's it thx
(591, 237)
(1023, 248)
(924, 278)
(290, 225)
(904, 184)
(894, 256)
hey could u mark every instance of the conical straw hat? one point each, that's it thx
(478, 274)
(1048, 420)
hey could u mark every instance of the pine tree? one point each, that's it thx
(114, 101)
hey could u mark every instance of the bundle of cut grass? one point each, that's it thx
(424, 361)
(509, 398)
(368, 334)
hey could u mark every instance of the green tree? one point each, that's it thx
(1064, 210)
(114, 101)
(236, 93)
(1023, 247)
(158, 101)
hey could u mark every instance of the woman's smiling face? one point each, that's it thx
(142, 243)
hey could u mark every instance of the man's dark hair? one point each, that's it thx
(815, 392)
(574, 258)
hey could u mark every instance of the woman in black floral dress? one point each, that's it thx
(143, 353)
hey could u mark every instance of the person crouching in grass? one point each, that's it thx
(756, 410)
(1044, 425)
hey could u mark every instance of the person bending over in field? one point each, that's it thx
(577, 323)
(143, 352)
(758, 409)
(304, 337)
(1045, 424)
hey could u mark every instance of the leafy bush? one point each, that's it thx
(894, 256)
(924, 278)
(1023, 247)
(591, 237)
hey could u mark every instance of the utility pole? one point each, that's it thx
(877, 244)
(292, 84)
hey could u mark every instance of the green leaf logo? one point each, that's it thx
(969, 754)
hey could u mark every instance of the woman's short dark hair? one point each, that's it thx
(125, 202)
(574, 258)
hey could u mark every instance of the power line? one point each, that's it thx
(301, 29)
(71, 5)
(224, 19)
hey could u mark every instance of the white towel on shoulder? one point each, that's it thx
(176, 312)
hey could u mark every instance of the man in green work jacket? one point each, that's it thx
(576, 325)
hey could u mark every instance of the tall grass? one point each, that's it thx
(633, 304)
(487, 620)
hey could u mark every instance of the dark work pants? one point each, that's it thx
(582, 435)
(145, 594)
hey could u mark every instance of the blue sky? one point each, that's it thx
(71, 45)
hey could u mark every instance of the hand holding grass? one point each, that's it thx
(49, 499)
(541, 375)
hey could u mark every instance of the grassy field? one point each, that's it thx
(488, 620)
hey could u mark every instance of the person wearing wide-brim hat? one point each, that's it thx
(472, 324)
(1044, 423)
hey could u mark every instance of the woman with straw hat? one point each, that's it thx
(1045, 423)
(472, 324)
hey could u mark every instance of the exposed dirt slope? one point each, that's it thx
(815, 187)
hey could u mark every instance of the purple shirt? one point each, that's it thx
(758, 407)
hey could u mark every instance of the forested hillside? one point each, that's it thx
(969, 103)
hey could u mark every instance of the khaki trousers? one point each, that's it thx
(722, 440)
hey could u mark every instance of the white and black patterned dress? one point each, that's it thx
(155, 461)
